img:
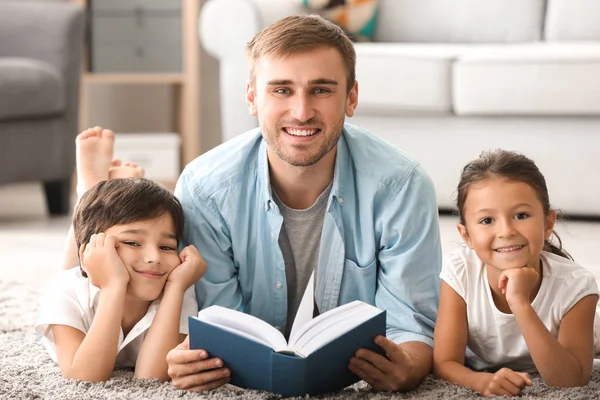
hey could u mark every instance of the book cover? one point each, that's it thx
(257, 366)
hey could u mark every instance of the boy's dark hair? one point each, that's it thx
(515, 167)
(122, 201)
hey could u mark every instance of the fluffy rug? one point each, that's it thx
(26, 372)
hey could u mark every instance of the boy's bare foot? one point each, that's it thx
(128, 170)
(94, 150)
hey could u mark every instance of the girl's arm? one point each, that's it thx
(450, 343)
(568, 360)
(91, 356)
(162, 336)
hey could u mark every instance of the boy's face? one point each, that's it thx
(148, 250)
(301, 101)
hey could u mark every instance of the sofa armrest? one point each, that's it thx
(226, 26)
(46, 31)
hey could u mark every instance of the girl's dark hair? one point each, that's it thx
(514, 167)
(122, 201)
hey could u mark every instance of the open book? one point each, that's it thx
(315, 360)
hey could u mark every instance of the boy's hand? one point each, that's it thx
(517, 284)
(102, 263)
(191, 269)
(505, 382)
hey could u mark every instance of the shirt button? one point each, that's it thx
(340, 200)
(279, 285)
(267, 207)
(272, 236)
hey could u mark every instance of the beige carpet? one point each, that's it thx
(26, 372)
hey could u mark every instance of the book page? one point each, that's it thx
(244, 325)
(331, 325)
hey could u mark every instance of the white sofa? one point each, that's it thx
(444, 80)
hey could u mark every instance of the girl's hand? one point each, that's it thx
(191, 269)
(517, 284)
(102, 263)
(505, 382)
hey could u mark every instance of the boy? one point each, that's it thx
(127, 305)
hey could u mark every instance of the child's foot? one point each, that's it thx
(129, 170)
(94, 150)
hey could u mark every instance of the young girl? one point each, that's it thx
(128, 303)
(511, 302)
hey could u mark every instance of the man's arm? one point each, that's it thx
(409, 264)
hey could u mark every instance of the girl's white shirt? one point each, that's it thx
(495, 340)
(72, 300)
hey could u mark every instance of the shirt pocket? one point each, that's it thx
(359, 283)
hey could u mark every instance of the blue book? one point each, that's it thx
(314, 361)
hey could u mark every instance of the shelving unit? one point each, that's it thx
(186, 83)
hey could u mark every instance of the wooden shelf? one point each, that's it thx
(186, 83)
(134, 78)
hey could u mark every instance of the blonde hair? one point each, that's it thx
(298, 34)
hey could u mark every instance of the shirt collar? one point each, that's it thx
(340, 172)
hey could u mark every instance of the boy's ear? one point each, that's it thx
(81, 261)
(464, 234)
(550, 221)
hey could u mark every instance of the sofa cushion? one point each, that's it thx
(572, 20)
(460, 21)
(397, 77)
(29, 88)
(528, 79)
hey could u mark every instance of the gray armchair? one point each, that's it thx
(40, 68)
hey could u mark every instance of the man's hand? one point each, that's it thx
(399, 371)
(504, 382)
(517, 284)
(191, 269)
(102, 263)
(193, 370)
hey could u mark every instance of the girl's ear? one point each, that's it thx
(462, 230)
(550, 221)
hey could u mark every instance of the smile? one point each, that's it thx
(150, 274)
(301, 132)
(509, 249)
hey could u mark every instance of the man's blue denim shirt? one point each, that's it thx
(380, 241)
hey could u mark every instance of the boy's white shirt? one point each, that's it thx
(72, 300)
(495, 340)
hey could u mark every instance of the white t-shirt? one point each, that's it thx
(495, 340)
(72, 300)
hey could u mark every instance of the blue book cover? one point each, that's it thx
(258, 366)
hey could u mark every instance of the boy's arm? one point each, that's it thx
(162, 336)
(70, 259)
(567, 361)
(91, 356)
(164, 333)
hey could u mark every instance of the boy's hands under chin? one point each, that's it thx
(517, 284)
(191, 269)
(102, 263)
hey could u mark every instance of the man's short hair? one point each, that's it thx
(298, 34)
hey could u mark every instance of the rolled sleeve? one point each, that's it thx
(410, 261)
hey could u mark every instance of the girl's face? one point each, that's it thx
(505, 223)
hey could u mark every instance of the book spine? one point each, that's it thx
(288, 375)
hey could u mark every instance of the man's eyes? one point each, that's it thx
(286, 91)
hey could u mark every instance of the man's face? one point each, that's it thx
(301, 101)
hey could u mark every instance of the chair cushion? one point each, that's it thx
(29, 88)
(577, 20)
(528, 79)
(397, 77)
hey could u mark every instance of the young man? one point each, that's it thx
(307, 194)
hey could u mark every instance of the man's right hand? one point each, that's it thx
(193, 370)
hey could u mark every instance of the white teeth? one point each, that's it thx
(301, 132)
(507, 249)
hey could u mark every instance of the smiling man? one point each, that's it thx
(306, 194)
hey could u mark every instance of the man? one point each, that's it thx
(307, 194)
